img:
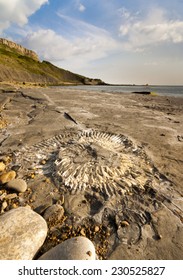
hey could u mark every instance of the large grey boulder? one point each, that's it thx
(76, 248)
(22, 233)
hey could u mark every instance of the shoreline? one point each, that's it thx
(176, 91)
(124, 89)
(153, 123)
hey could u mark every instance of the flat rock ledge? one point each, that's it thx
(22, 233)
(76, 248)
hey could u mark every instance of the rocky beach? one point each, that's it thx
(106, 167)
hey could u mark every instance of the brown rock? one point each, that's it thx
(2, 166)
(8, 176)
(96, 229)
(54, 213)
(82, 231)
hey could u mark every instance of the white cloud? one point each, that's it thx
(90, 44)
(124, 13)
(17, 12)
(154, 29)
(81, 7)
(48, 44)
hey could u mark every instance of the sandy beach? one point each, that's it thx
(143, 223)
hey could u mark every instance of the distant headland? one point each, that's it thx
(19, 65)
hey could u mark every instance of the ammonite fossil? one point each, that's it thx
(90, 160)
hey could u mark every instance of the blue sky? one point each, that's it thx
(119, 41)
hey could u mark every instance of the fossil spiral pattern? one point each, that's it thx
(86, 160)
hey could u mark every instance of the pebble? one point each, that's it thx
(2, 196)
(96, 229)
(11, 196)
(4, 205)
(61, 199)
(8, 176)
(54, 212)
(2, 166)
(6, 159)
(14, 205)
(82, 232)
(124, 224)
(76, 248)
(22, 233)
(18, 185)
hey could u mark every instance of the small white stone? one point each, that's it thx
(4, 205)
(76, 248)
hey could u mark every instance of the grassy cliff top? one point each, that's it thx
(16, 67)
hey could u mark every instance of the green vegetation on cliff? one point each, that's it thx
(15, 67)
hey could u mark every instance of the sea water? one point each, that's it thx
(176, 91)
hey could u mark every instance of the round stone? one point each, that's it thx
(54, 213)
(8, 176)
(19, 185)
(22, 233)
(77, 248)
(96, 229)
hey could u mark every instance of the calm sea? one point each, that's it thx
(176, 91)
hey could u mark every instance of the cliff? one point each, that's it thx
(20, 65)
(19, 49)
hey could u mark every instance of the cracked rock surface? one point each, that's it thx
(125, 190)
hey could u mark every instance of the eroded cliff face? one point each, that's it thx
(19, 49)
(20, 65)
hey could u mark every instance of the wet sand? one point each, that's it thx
(154, 123)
